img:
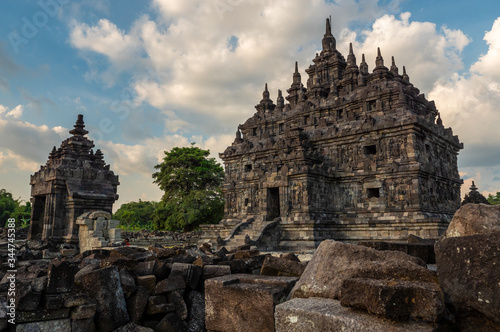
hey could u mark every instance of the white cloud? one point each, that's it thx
(16, 112)
(469, 104)
(429, 54)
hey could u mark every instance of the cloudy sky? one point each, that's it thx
(152, 75)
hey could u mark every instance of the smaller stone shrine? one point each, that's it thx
(474, 196)
(74, 180)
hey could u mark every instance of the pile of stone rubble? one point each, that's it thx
(345, 287)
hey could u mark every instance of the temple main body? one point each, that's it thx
(354, 156)
(74, 180)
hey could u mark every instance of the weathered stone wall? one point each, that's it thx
(354, 148)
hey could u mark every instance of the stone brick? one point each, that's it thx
(148, 282)
(158, 304)
(61, 276)
(274, 266)
(170, 284)
(50, 325)
(233, 301)
(327, 315)
(83, 312)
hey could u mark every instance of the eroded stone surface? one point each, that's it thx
(327, 315)
(469, 271)
(333, 262)
(244, 302)
(473, 219)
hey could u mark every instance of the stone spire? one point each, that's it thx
(79, 125)
(266, 103)
(351, 59)
(280, 101)
(329, 43)
(379, 63)
(474, 196)
(296, 75)
(394, 68)
(363, 66)
(406, 78)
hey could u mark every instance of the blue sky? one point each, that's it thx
(151, 75)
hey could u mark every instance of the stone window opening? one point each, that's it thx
(281, 127)
(370, 150)
(248, 168)
(372, 105)
(373, 192)
(340, 114)
(246, 201)
(306, 119)
(254, 131)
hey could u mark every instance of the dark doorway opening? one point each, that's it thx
(37, 216)
(273, 203)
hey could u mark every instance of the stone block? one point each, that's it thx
(83, 312)
(196, 304)
(394, 299)
(53, 301)
(468, 269)
(473, 219)
(112, 224)
(115, 234)
(333, 262)
(214, 271)
(100, 225)
(75, 299)
(148, 282)
(61, 276)
(50, 325)
(235, 300)
(41, 315)
(176, 297)
(82, 325)
(171, 323)
(136, 304)
(68, 252)
(274, 266)
(145, 268)
(101, 215)
(170, 284)
(327, 315)
(133, 327)
(191, 273)
(104, 286)
(158, 304)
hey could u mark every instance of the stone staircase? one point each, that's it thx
(253, 229)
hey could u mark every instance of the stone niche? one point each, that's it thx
(353, 155)
(74, 180)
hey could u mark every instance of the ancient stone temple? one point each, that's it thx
(354, 155)
(474, 196)
(74, 180)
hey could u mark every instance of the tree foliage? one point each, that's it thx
(13, 208)
(192, 185)
(136, 215)
(494, 200)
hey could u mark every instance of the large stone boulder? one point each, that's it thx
(469, 271)
(333, 262)
(473, 219)
(104, 286)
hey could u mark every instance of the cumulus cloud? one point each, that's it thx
(469, 104)
(429, 53)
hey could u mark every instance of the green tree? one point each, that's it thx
(494, 200)
(192, 185)
(136, 215)
(12, 208)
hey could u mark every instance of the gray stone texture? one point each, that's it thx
(333, 262)
(473, 219)
(244, 303)
(327, 315)
(469, 271)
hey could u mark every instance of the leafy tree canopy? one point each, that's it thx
(494, 200)
(192, 185)
(136, 215)
(13, 208)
